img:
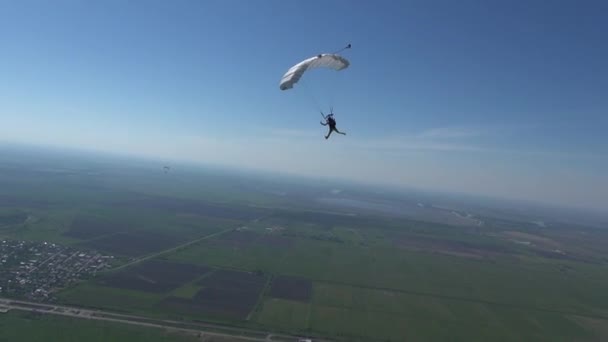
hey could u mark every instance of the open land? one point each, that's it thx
(287, 257)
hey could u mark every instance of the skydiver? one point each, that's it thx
(329, 120)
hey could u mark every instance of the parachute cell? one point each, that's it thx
(327, 60)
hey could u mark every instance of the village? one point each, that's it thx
(34, 270)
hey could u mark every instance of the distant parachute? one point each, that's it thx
(166, 168)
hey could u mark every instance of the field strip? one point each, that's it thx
(170, 250)
(313, 211)
(261, 297)
(310, 307)
(100, 237)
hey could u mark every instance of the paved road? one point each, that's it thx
(189, 328)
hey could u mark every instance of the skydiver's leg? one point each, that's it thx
(335, 129)
(328, 133)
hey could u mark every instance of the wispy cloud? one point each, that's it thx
(293, 133)
(448, 139)
(474, 131)
(300, 149)
(452, 133)
(406, 144)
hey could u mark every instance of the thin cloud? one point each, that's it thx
(448, 139)
(451, 133)
(473, 131)
(293, 133)
(409, 144)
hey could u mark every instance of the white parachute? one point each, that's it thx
(320, 87)
(326, 60)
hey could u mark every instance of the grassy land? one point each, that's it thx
(284, 314)
(534, 282)
(121, 300)
(379, 291)
(186, 291)
(375, 278)
(388, 315)
(22, 326)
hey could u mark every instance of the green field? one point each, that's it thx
(377, 291)
(120, 300)
(285, 314)
(186, 291)
(541, 280)
(386, 314)
(374, 277)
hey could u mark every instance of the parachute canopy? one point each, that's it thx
(326, 60)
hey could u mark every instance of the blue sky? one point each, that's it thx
(501, 98)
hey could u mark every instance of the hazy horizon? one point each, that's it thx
(437, 196)
(500, 100)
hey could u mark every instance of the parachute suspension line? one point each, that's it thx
(336, 78)
(333, 80)
(342, 49)
(311, 96)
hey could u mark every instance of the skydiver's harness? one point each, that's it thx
(329, 119)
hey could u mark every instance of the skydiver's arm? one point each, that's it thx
(323, 123)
